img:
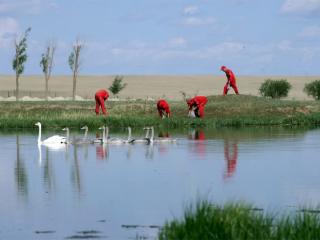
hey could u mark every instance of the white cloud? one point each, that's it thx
(310, 31)
(8, 30)
(301, 6)
(197, 21)
(191, 10)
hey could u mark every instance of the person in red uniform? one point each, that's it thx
(163, 108)
(231, 81)
(197, 104)
(100, 97)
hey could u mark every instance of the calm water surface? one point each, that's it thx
(128, 191)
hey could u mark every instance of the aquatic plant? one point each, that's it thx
(240, 221)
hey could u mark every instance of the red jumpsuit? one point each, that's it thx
(163, 108)
(197, 104)
(231, 81)
(100, 97)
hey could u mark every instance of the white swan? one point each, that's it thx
(67, 134)
(121, 141)
(84, 139)
(152, 140)
(56, 139)
(105, 131)
(142, 140)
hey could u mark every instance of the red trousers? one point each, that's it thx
(226, 88)
(100, 103)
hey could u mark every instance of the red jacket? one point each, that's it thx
(102, 94)
(230, 75)
(162, 105)
(197, 101)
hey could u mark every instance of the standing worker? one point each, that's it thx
(100, 97)
(196, 105)
(163, 108)
(231, 80)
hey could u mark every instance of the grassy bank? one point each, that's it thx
(241, 221)
(220, 111)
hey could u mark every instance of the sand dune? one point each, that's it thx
(142, 87)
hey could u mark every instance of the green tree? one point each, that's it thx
(313, 89)
(117, 85)
(74, 63)
(275, 88)
(20, 58)
(46, 64)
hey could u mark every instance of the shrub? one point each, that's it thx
(313, 89)
(275, 88)
(117, 85)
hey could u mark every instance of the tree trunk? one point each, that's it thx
(17, 87)
(47, 88)
(74, 85)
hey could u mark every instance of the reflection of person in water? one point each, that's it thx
(163, 148)
(231, 156)
(199, 145)
(101, 152)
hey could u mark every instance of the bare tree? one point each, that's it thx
(20, 58)
(47, 63)
(74, 63)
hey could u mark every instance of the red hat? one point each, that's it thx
(223, 68)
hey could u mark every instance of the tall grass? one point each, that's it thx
(235, 111)
(240, 221)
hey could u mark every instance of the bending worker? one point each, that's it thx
(196, 105)
(100, 97)
(163, 108)
(231, 80)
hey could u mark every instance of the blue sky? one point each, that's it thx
(182, 37)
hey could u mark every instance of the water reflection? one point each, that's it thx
(21, 176)
(230, 156)
(199, 146)
(75, 170)
(132, 189)
(102, 151)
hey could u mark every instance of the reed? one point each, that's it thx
(240, 221)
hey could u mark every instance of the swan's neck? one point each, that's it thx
(105, 135)
(129, 133)
(85, 134)
(152, 134)
(147, 133)
(39, 135)
(67, 134)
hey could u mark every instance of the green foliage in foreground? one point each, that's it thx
(313, 89)
(275, 88)
(241, 221)
(220, 111)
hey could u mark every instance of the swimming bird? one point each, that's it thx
(84, 139)
(105, 131)
(56, 139)
(121, 141)
(67, 134)
(142, 140)
(152, 140)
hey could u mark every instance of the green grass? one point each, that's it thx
(241, 221)
(232, 110)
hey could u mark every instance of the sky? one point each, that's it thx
(168, 37)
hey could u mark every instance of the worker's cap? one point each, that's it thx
(223, 68)
(188, 101)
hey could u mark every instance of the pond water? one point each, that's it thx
(129, 191)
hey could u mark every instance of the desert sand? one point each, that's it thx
(143, 87)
